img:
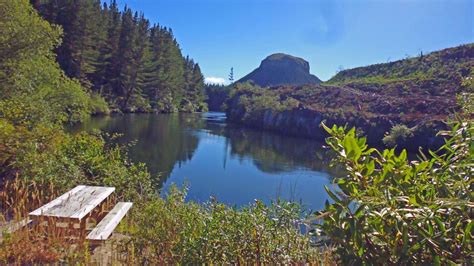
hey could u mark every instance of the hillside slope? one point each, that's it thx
(450, 63)
(417, 93)
(281, 69)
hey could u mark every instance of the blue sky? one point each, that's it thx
(220, 34)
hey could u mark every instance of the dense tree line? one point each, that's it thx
(216, 95)
(120, 56)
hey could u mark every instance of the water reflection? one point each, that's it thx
(271, 153)
(232, 163)
(159, 139)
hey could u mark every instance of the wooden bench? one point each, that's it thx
(104, 228)
(12, 227)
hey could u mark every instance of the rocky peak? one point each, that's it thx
(282, 69)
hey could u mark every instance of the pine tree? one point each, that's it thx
(117, 55)
(199, 87)
(125, 58)
(194, 87)
(231, 75)
(99, 39)
(150, 69)
(109, 71)
(167, 88)
(78, 54)
(188, 99)
(137, 70)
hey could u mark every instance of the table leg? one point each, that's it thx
(82, 229)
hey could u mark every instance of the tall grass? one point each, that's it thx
(160, 231)
(33, 243)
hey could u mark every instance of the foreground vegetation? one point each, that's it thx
(396, 211)
(163, 231)
(391, 210)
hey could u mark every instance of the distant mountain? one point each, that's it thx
(281, 69)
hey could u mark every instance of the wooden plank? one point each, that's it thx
(45, 208)
(71, 205)
(105, 228)
(86, 204)
(93, 203)
(81, 204)
(15, 226)
(75, 204)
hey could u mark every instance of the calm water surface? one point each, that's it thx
(235, 165)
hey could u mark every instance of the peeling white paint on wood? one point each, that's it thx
(105, 228)
(76, 203)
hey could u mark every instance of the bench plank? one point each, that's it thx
(104, 229)
(14, 226)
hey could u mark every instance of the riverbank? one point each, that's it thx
(299, 115)
(402, 103)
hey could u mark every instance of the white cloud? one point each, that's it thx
(215, 80)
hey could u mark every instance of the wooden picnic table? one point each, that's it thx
(74, 207)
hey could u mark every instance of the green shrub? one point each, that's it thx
(395, 211)
(98, 105)
(397, 136)
(69, 160)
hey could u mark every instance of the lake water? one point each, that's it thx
(236, 165)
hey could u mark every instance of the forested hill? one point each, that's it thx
(119, 55)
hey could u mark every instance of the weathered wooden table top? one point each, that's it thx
(76, 203)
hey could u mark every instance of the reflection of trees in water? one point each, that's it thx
(273, 153)
(164, 140)
(161, 140)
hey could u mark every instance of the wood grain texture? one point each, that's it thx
(105, 228)
(76, 203)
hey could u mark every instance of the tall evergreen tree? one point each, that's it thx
(109, 70)
(133, 86)
(199, 89)
(125, 58)
(78, 54)
(151, 69)
(194, 86)
(231, 75)
(120, 57)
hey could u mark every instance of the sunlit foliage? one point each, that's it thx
(393, 210)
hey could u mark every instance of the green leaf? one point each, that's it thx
(328, 130)
(370, 167)
(467, 233)
(332, 195)
(403, 155)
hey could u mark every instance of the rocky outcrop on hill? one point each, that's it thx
(281, 69)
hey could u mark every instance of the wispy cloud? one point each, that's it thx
(215, 80)
(329, 25)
